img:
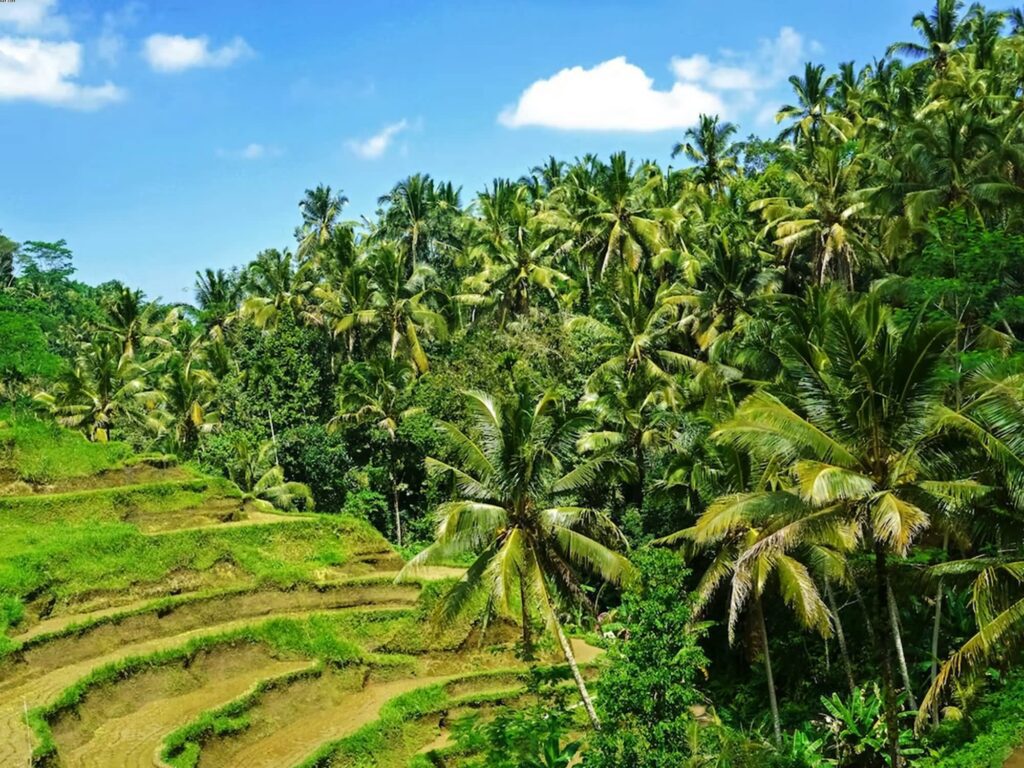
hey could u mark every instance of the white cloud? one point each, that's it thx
(176, 53)
(111, 43)
(618, 96)
(253, 151)
(612, 96)
(33, 17)
(774, 60)
(37, 70)
(377, 145)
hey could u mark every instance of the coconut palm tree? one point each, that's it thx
(320, 210)
(617, 219)
(811, 111)
(518, 248)
(218, 294)
(515, 513)
(855, 436)
(825, 224)
(399, 310)
(709, 146)
(375, 393)
(941, 31)
(104, 389)
(263, 483)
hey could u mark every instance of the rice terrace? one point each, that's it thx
(497, 384)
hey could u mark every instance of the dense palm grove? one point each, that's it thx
(784, 379)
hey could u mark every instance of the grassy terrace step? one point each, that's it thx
(73, 689)
(283, 723)
(410, 723)
(170, 618)
(51, 566)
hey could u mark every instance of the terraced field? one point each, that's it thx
(150, 617)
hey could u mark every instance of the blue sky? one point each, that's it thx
(164, 136)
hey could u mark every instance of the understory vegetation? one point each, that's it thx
(754, 425)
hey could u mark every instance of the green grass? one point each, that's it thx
(42, 452)
(400, 732)
(993, 730)
(324, 638)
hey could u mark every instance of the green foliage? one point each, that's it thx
(646, 693)
(536, 736)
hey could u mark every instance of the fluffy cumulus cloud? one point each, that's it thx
(377, 145)
(613, 96)
(616, 95)
(37, 70)
(36, 17)
(177, 53)
(743, 77)
(34, 67)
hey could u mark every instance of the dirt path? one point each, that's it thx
(1015, 760)
(251, 519)
(16, 740)
(132, 740)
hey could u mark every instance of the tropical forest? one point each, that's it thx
(708, 463)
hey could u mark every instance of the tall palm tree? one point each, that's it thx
(218, 294)
(709, 146)
(399, 309)
(375, 393)
(533, 545)
(188, 393)
(811, 111)
(617, 219)
(941, 31)
(826, 222)
(132, 320)
(320, 210)
(104, 389)
(518, 248)
(855, 437)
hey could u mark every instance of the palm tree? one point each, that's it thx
(104, 388)
(133, 321)
(826, 221)
(218, 294)
(855, 437)
(320, 210)
(263, 484)
(530, 547)
(617, 219)
(733, 536)
(941, 31)
(374, 393)
(811, 110)
(188, 393)
(708, 145)
(517, 248)
(399, 310)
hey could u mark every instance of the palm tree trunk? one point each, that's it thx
(883, 647)
(894, 618)
(840, 635)
(772, 699)
(936, 629)
(570, 659)
(394, 501)
(527, 640)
